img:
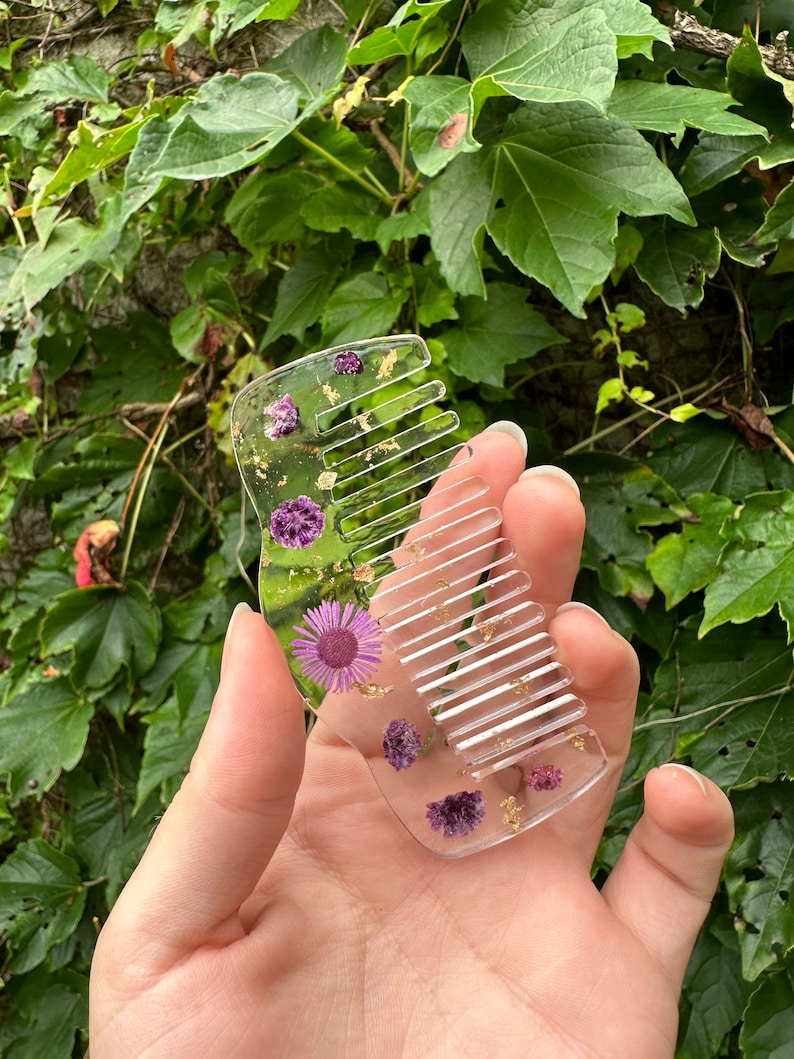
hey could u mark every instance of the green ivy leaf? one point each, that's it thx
(401, 36)
(759, 876)
(494, 333)
(266, 209)
(170, 742)
(563, 240)
(336, 206)
(742, 675)
(107, 629)
(621, 498)
(78, 77)
(715, 994)
(768, 1025)
(314, 64)
(715, 158)
(41, 901)
(767, 98)
(301, 296)
(43, 731)
(756, 568)
(231, 123)
(49, 1011)
(675, 108)
(674, 262)
(682, 563)
(361, 307)
(443, 113)
(779, 221)
(542, 53)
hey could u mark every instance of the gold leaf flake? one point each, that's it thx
(282, 482)
(521, 685)
(364, 573)
(337, 568)
(327, 479)
(488, 628)
(441, 613)
(387, 364)
(265, 559)
(372, 691)
(442, 582)
(237, 431)
(512, 813)
(330, 393)
(364, 420)
(577, 741)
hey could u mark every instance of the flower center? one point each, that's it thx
(337, 647)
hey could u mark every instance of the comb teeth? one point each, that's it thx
(376, 531)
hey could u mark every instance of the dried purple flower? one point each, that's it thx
(297, 523)
(544, 777)
(342, 647)
(401, 743)
(285, 416)
(457, 814)
(348, 363)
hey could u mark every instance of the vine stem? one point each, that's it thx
(143, 471)
(381, 194)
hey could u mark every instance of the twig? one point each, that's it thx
(689, 34)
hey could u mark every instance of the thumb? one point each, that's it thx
(223, 826)
(665, 879)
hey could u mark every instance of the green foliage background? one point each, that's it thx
(594, 231)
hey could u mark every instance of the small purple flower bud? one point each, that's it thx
(285, 416)
(401, 743)
(297, 523)
(457, 814)
(348, 363)
(544, 777)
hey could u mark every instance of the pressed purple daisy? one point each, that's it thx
(457, 814)
(401, 743)
(342, 647)
(544, 777)
(285, 416)
(348, 363)
(297, 523)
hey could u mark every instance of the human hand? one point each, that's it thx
(281, 909)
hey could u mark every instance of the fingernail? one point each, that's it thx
(550, 471)
(513, 430)
(701, 782)
(241, 608)
(576, 605)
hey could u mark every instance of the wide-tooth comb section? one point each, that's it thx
(400, 602)
(390, 411)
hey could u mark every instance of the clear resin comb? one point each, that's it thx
(407, 623)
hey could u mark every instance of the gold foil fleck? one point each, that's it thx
(416, 550)
(327, 479)
(337, 568)
(282, 482)
(237, 431)
(488, 627)
(372, 691)
(441, 613)
(512, 813)
(577, 741)
(330, 393)
(521, 685)
(387, 364)
(265, 559)
(442, 582)
(364, 420)
(364, 574)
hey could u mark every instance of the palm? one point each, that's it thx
(262, 922)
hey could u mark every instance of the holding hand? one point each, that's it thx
(281, 909)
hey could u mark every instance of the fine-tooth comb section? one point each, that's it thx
(400, 603)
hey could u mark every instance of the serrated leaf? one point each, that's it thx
(708, 456)
(43, 731)
(779, 221)
(314, 63)
(675, 108)
(361, 307)
(231, 123)
(674, 262)
(266, 209)
(41, 901)
(336, 206)
(108, 630)
(442, 116)
(404, 225)
(92, 150)
(759, 875)
(493, 333)
(682, 563)
(768, 1027)
(170, 742)
(767, 98)
(565, 239)
(78, 77)
(48, 1011)
(714, 158)
(715, 993)
(756, 567)
(401, 36)
(534, 52)
(301, 295)
(620, 500)
(726, 701)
